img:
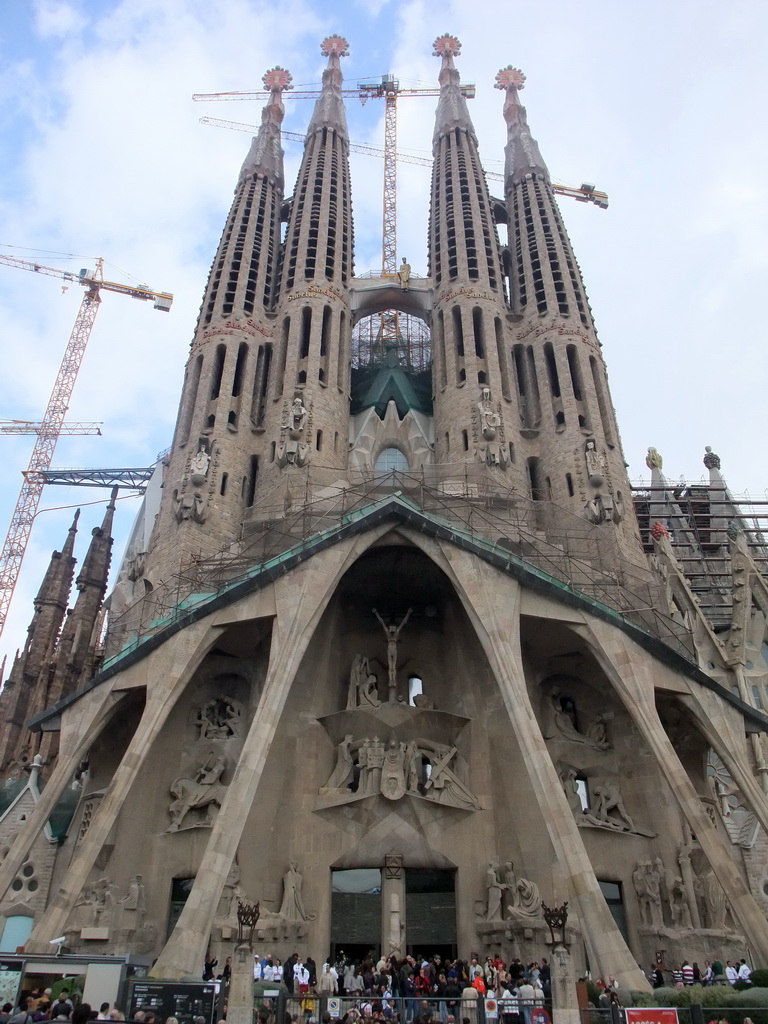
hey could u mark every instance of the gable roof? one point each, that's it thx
(398, 509)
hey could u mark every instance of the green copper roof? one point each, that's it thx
(390, 381)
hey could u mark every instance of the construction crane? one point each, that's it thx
(33, 427)
(585, 193)
(52, 424)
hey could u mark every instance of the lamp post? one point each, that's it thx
(240, 1004)
(565, 1007)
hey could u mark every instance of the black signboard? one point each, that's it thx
(11, 972)
(174, 999)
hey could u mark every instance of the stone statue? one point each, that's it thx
(490, 420)
(594, 462)
(527, 906)
(375, 765)
(641, 891)
(344, 770)
(653, 459)
(598, 734)
(710, 460)
(189, 499)
(292, 907)
(717, 905)
(393, 785)
(609, 808)
(396, 926)
(413, 766)
(557, 720)
(294, 447)
(220, 718)
(198, 465)
(569, 781)
(510, 895)
(204, 790)
(404, 273)
(495, 889)
(652, 885)
(392, 634)
(134, 900)
(681, 910)
(443, 784)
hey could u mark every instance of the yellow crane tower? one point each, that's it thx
(52, 424)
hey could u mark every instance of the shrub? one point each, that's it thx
(760, 978)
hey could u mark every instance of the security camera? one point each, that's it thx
(58, 942)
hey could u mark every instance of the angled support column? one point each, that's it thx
(93, 712)
(301, 598)
(740, 772)
(497, 624)
(633, 681)
(170, 667)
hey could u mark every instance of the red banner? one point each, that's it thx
(651, 1015)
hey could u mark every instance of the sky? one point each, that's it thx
(659, 104)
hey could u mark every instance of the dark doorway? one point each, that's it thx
(430, 912)
(356, 912)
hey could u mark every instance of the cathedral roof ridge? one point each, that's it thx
(403, 509)
(522, 150)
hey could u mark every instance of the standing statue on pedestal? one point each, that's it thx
(392, 634)
(292, 907)
(404, 273)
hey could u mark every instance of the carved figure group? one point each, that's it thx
(559, 715)
(102, 901)
(368, 766)
(509, 897)
(608, 808)
(220, 718)
(646, 879)
(204, 791)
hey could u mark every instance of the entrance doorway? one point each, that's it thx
(430, 912)
(356, 913)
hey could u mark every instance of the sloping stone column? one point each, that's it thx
(632, 678)
(170, 667)
(493, 604)
(300, 598)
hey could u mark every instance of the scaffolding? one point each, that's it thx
(560, 548)
(371, 335)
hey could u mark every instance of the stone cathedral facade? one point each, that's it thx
(390, 652)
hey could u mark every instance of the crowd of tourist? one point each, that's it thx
(712, 973)
(35, 1006)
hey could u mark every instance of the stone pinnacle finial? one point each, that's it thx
(278, 80)
(447, 47)
(329, 108)
(522, 151)
(334, 46)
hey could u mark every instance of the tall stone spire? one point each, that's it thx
(219, 443)
(568, 433)
(473, 398)
(329, 109)
(18, 698)
(307, 419)
(75, 647)
(266, 153)
(452, 109)
(521, 152)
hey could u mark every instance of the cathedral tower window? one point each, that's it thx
(218, 370)
(534, 479)
(242, 359)
(190, 397)
(602, 401)
(253, 473)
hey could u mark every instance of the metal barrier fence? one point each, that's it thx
(309, 1008)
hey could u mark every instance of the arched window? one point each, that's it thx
(391, 460)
